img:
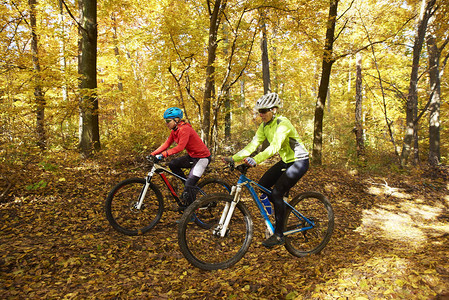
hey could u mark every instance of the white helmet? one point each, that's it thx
(269, 100)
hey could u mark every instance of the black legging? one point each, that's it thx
(188, 162)
(283, 177)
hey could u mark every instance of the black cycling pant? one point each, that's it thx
(283, 177)
(197, 167)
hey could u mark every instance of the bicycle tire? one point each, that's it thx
(206, 250)
(121, 212)
(214, 185)
(209, 186)
(317, 208)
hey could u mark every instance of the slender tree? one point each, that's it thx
(215, 16)
(89, 127)
(116, 51)
(227, 95)
(328, 60)
(435, 73)
(62, 50)
(358, 107)
(412, 99)
(265, 60)
(38, 91)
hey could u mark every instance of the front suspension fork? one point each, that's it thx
(144, 190)
(228, 211)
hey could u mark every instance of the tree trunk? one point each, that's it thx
(227, 95)
(63, 60)
(89, 127)
(328, 60)
(358, 107)
(209, 90)
(38, 93)
(227, 104)
(265, 61)
(435, 102)
(117, 53)
(412, 99)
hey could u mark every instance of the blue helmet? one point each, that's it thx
(173, 112)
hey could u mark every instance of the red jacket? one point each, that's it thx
(186, 138)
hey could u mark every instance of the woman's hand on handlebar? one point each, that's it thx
(250, 161)
(155, 158)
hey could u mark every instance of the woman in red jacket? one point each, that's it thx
(198, 155)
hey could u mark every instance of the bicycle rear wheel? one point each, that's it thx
(314, 237)
(212, 186)
(121, 210)
(204, 248)
(207, 187)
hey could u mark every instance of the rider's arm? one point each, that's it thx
(164, 146)
(252, 146)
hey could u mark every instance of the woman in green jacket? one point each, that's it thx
(282, 176)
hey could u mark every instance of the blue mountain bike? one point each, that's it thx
(308, 226)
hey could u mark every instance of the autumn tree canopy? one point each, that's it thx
(206, 57)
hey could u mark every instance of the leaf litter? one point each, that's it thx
(390, 242)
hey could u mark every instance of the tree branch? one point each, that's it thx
(74, 19)
(178, 81)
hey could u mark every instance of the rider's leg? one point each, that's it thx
(269, 179)
(272, 175)
(283, 176)
(284, 183)
(189, 191)
(177, 164)
(198, 167)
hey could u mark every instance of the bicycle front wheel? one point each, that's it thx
(309, 224)
(205, 248)
(121, 210)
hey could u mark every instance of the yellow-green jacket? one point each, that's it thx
(283, 139)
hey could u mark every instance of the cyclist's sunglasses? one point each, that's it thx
(264, 110)
(168, 120)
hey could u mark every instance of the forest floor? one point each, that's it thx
(391, 240)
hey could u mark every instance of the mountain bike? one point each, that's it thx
(135, 205)
(308, 225)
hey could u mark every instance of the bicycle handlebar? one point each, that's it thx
(242, 168)
(153, 159)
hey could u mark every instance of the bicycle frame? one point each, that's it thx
(156, 168)
(236, 192)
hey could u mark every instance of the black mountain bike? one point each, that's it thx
(135, 205)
